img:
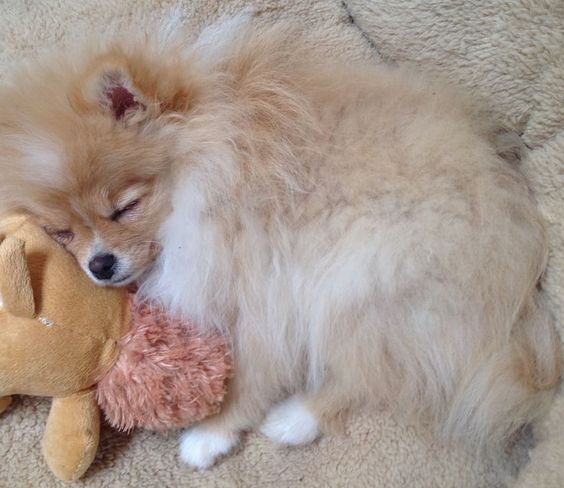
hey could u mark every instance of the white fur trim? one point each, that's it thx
(200, 448)
(291, 423)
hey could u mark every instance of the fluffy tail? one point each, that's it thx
(513, 386)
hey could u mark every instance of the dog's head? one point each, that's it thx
(86, 148)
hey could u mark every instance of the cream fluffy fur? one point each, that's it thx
(353, 229)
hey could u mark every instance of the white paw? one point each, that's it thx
(291, 423)
(200, 448)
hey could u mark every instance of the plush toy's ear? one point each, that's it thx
(113, 89)
(15, 281)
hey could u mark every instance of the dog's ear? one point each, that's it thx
(113, 90)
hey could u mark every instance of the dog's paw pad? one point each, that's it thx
(201, 448)
(291, 423)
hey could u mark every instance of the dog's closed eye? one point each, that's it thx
(118, 214)
(63, 237)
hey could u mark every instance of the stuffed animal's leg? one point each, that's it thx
(72, 434)
(5, 403)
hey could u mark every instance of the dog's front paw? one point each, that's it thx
(291, 423)
(201, 448)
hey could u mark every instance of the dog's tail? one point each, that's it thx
(511, 387)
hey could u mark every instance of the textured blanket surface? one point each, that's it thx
(509, 52)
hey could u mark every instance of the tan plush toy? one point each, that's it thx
(88, 347)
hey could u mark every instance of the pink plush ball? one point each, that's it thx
(168, 374)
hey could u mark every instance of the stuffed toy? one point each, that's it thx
(95, 349)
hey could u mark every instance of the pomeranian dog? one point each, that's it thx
(352, 228)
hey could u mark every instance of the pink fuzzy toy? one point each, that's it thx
(167, 375)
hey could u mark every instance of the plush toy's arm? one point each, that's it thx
(72, 434)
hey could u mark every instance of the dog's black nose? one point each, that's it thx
(102, 266)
